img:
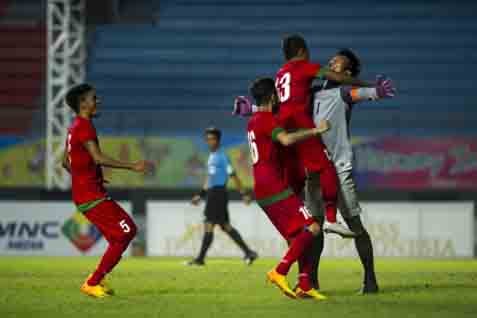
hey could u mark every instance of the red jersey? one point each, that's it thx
(268, 173)
(86, 175)
(293, 82)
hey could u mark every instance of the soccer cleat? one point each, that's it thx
(338, 228)
(281, 282)
(195, 262)
(311, 294)
(299, 292)
(107, 287)
(103, 283)
(250, 258)
(97, 291)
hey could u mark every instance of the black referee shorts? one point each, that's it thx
(216, 208)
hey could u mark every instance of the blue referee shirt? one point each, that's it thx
(218, 169)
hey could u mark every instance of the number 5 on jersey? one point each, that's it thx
(124, 226)
(253, 146)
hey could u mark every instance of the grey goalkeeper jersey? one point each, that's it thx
(330, 104)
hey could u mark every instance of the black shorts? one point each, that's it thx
(216, 208)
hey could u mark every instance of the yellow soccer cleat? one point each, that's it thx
(312, 294)
(281, 282)
(104, 283)
(107, 287)
(97, 291)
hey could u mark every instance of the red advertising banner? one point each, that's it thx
(417, 163)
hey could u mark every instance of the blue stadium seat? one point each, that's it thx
(201, 53)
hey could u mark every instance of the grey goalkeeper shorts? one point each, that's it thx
(348, 203)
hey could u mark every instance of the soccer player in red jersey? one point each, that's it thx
(283, 207)
(293, 82)
(83, 158)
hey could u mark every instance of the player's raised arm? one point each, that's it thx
(342, 78)
(101, 159)
(287, 139)
(384, 88)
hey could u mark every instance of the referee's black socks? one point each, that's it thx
(237, 238)
(206, 242)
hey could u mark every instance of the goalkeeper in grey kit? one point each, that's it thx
(334, 102)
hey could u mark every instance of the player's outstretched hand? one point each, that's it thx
(385, 87)
(323, 126)
(142, 166)
(242, 106)
(195, 200)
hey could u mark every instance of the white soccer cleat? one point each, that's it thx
(338, 228)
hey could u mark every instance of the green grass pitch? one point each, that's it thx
(163, 287)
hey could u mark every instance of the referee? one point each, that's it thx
(214, 190)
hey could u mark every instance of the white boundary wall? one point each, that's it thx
(400, 229)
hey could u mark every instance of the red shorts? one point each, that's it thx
(294, 171)
(289, 216)
(311, 152)
(112, 221)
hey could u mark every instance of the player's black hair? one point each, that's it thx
(292, 44)
(214, 131)
(75, 94)
(262, 90)
(355, 62)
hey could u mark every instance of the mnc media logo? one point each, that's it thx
(81, 232)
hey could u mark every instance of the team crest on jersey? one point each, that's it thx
(81, 232)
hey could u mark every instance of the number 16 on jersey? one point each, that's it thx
(253, 146)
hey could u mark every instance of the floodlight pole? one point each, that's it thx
(66, 46)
